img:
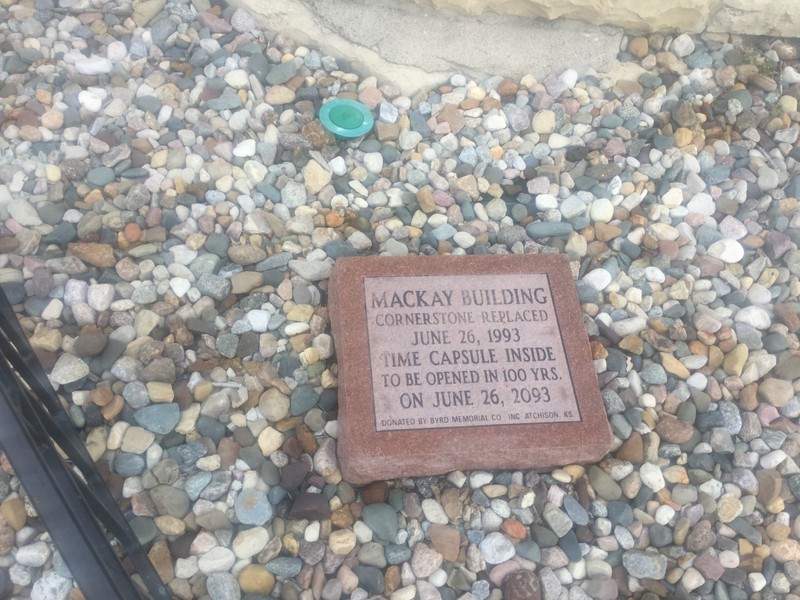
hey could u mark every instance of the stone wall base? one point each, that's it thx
(751, 17)
(419, 44)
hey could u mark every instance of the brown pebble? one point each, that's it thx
(632, 344)
(162, 561)
(391, 580)
(98, 255)
(255, 579)
(317, 135)
(306, 439)
(29, 133)
(425, 199)
(90, 343)
(680, 531)
(507, 88)
(375, 493)
(453, 502)
(451, 115)
(489, 103)
(333, 219)
(606, 232)
(13, 511)
(521, 585)
(342, 517)
(228, 450)
(632, 449)
(7, 537)
(446, 541)
(598, 350)
(8, 244)
(674, 430)
(113, 408)
(787, 316)
(701, 537)
(101, 395)
(639, 47)
(769, 486)
(292, 447)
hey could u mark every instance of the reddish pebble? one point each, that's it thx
(513, 529)
(206, 224)
(133, 233)
(442, 198)
(356, 508)
(27, 118)
(571, 106)
(371, 97)
(767, 414)
(694, 219)
(13, 226)
(153, 216)
(614, 147)
(501, 571)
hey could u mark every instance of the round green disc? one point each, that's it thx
(346, 118)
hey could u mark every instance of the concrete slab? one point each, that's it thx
(415, 48)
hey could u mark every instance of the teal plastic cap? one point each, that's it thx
(346, 118)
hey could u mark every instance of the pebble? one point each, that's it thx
(285, 567)
(252, 507)
(158, 418)
(382, 520)
(496, 548)
(33, 555)
(645, 564)
(521, 585)
(68, 369)
(216, 560)
(223, 586)
(777, 392)
(425, 560)
(727, 250)
(51, 586)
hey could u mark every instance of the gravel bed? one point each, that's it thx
(171, 209)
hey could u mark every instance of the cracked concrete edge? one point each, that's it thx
(415, 48)
(296, 21)
(780, 18)
(633, 15)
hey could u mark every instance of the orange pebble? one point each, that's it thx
(513, 529)
(133, 233)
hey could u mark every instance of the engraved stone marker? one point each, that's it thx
(462, 363)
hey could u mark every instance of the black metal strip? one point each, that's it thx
(32, 417)
(52, 490)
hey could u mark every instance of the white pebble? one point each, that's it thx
(478, 479)
(728, 251)
(373, 162)
(434, 512)
(757, 581)
(116, 51)
(598, 279)
(652, 476)
(94, 65)
(601, 210)
(90, 101)
(772, 459)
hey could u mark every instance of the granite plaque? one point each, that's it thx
(462, 362)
